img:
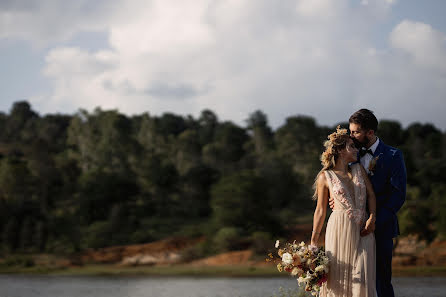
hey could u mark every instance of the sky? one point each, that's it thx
(321, 58)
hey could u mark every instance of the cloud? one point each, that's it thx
(46, 22)
(425, 45)
(312, 57)
(321, 9)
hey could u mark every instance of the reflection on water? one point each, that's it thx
(68, 286)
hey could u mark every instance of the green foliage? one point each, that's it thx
(197, 251)
(391, 133)
(208, 122)
(62, 232)
(18, 121)
(18, 261)
(438, 197)
(10, 238)
(97, 235)
(98, 191)
(262, 135)
(16, 182)
(240, 200)
(262, 242)
(195, 187)
(416, 215)
(300, 141)
(227, 149)
(227, 239)
(26, 234)
(40, 236)
(94, 179)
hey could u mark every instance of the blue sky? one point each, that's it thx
(323, 58)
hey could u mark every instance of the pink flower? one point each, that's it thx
(322, 280)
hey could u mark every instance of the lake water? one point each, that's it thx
(69, 286)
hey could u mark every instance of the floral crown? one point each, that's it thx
(339, 133)
(335, 139)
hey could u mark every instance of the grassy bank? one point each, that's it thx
(175, 270)
(419, 271)
(185, 270)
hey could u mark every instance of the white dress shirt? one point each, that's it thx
(365, 160)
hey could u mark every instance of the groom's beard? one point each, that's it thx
(360, 144)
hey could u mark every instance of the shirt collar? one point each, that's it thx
(375, 145)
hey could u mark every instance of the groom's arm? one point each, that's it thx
(398, 183)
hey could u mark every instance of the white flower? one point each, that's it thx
(313, 248)
(277, 244)
(300, 280)
(302, 244)
(287, 258)
(297, 271)
(309, 262)
(294, 271)
(319, 268)
(308, 277)
(305, 279)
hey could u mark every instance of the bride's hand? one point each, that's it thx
(369, 226)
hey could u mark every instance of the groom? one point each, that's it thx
(387, 173)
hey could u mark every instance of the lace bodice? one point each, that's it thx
(353, 202)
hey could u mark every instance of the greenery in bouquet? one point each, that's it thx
(308, 263)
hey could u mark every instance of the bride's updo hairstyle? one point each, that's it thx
(335, 143)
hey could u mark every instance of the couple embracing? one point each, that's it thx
(363, 180)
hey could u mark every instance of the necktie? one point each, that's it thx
(365, 151)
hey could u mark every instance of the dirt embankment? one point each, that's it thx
(408, 252)
(168, 251)
(165, 251)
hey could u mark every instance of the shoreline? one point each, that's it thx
(195, 271)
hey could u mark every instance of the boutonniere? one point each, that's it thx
(372, 165)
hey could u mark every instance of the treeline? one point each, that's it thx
(89, 180)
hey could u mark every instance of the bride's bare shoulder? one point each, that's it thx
(321, 179)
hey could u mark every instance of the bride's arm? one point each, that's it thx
(371, 201)
(321, 208)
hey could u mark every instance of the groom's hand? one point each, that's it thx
(364, 232)
(331, 202)
(368, 228)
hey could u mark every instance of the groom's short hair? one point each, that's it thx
(365, 118)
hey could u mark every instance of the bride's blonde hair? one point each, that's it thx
(335, 142)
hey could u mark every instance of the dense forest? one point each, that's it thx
(90, 180)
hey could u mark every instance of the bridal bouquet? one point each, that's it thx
(308, 263)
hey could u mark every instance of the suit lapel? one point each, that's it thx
(379, 149)
(377, 154)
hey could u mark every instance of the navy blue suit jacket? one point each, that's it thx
(389, 183)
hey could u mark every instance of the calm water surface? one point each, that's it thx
(69, 286)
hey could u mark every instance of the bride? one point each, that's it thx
(349, 239)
